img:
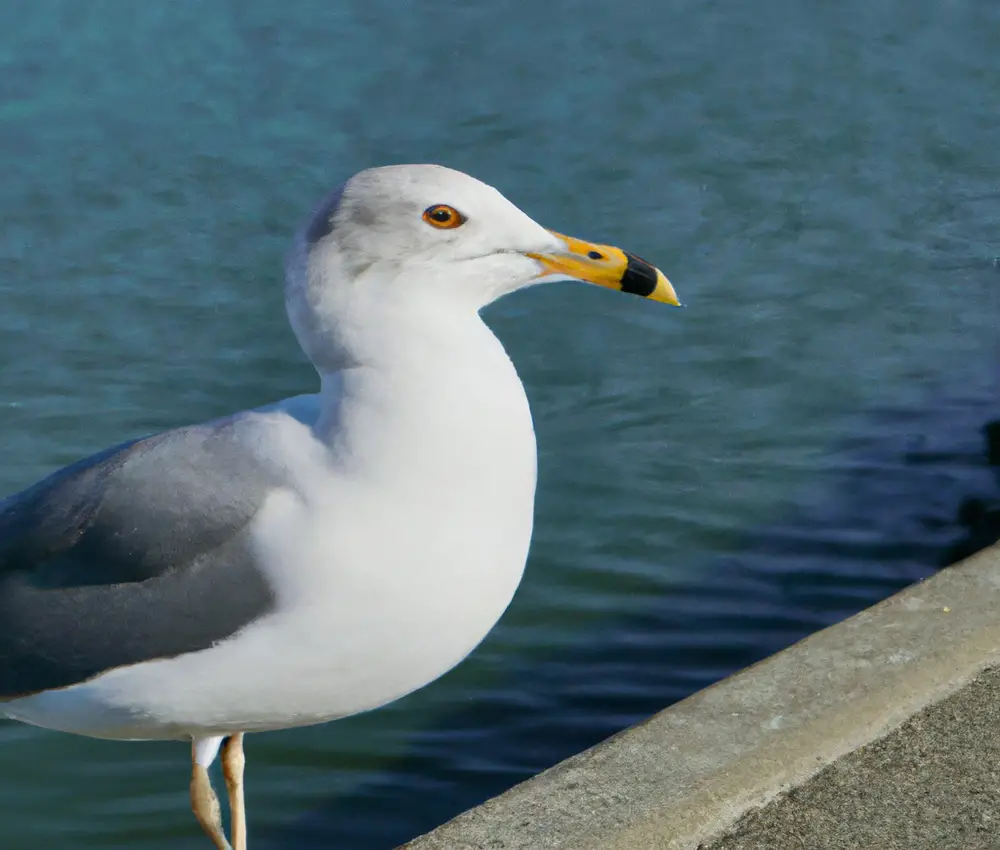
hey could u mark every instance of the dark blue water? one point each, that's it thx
(821, 184)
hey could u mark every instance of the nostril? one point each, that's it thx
(595, 255)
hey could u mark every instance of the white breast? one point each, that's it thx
(396, 556)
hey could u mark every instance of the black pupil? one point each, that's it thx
(595, 255)
(441, 215)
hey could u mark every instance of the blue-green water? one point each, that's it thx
(820, 181)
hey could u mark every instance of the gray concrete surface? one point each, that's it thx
(687, 776)
(932, 784)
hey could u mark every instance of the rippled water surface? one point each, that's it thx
(820, 181)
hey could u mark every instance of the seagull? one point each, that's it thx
(323, 555)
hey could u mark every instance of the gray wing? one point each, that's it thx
(139, 552)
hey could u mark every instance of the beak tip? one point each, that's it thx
(668, 297)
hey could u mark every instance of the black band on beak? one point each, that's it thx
(639, 277)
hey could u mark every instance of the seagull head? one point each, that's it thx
(412, 246)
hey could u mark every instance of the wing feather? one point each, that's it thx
(136, 553)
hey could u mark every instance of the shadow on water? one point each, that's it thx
(914, 491)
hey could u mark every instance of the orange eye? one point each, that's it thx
(443, 217)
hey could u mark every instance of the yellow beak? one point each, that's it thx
(609, 267)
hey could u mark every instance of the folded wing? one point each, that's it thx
(137, 553)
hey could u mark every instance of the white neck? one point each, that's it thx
(441, 405)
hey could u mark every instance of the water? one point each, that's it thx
(821, 184)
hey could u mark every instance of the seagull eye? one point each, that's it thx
(443, 217)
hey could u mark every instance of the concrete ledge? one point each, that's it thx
(687, 775)
(931, 784)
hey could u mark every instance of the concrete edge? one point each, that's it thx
(685, 776)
